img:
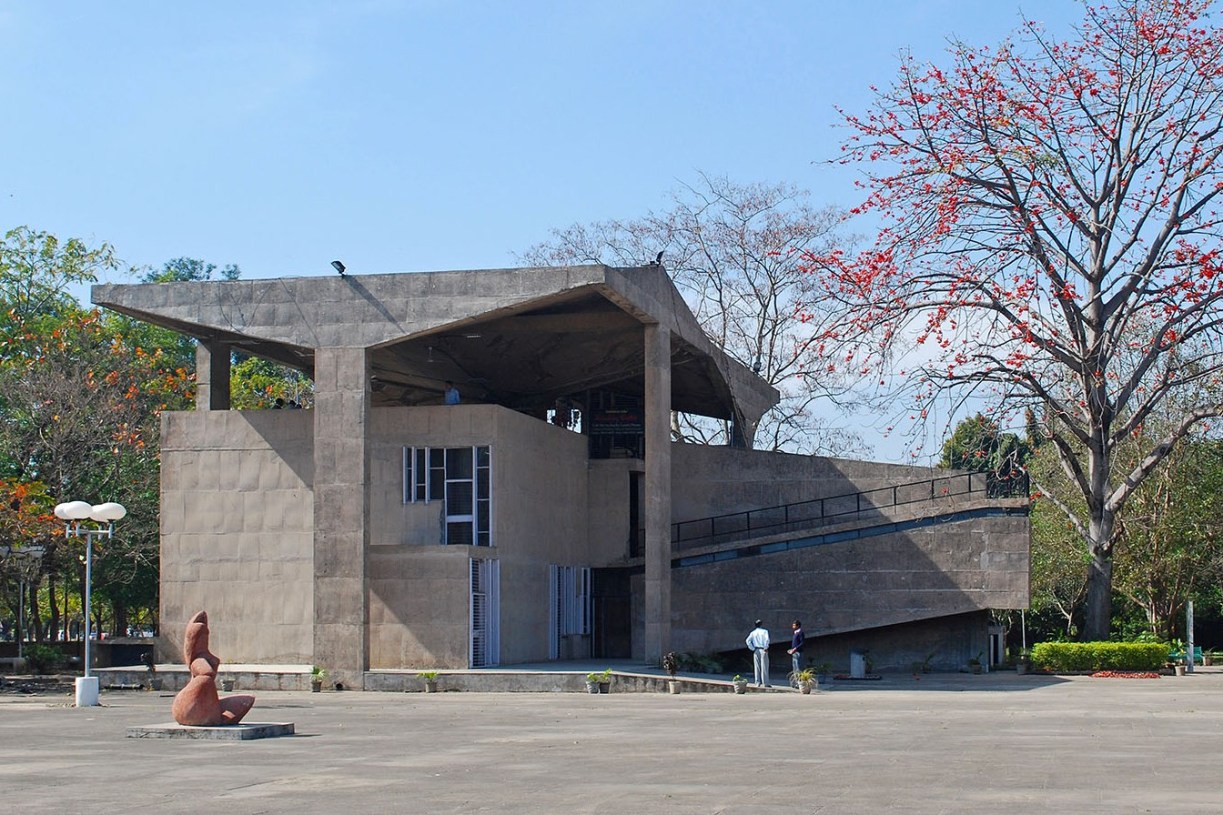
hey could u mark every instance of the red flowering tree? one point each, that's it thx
(1050, 239)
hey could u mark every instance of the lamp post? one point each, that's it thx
(72, 513)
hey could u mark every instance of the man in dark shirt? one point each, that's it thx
(796, 645)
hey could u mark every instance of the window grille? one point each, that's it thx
(485, 613)
(459, 477)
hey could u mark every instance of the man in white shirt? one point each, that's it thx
(758, 642)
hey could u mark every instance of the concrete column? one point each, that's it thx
(657, 409)
(341, 512)
(212, 375)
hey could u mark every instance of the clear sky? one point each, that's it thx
(403, 135)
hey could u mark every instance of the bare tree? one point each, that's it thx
(735, 252)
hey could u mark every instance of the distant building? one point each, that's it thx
(549, 515)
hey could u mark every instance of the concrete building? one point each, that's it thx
(548, 515)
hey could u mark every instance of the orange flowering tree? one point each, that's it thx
(27, 531)
(1049, 239)
(80, 397)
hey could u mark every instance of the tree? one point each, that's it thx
(1050, 240)
(261, 383)
(79, 407)
(27, 530)
(1170, 529)
(978, 444)
(179, 347)
(735, 251)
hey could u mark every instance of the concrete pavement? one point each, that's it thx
(946, 743)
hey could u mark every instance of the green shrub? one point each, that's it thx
(1099, 656)
(43, 659)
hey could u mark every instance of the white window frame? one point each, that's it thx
(418, 470)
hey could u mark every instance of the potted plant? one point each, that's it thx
(430, 678)
(1024, 663)
(317, 675)
(670, 664)
(740, 684)
(604, 681)
(803, 678)
(823, 672)
(1208, 657)
(974, 664)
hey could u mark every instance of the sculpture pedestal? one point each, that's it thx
(233, 732)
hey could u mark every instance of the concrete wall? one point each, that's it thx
(608, 519)
(419, 591)
(944, 570)
(237, 533)
(237, 541)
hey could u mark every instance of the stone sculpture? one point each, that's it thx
(198, 704)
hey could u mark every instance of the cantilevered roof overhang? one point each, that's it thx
(516, 337)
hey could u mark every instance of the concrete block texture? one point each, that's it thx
(224, 533)
(419, 613)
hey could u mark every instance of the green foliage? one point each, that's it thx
(977, 444)
(80, 399)
(257, 383)
(1173, 545)
(1099, 656)
(189, 269)
(428, 676)
(670, 663)
(43, 659)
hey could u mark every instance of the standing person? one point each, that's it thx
(452, 394)
(758, 642)
(796, 647)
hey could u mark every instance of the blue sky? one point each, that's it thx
(415, 135)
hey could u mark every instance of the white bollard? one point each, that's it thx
(86, 691)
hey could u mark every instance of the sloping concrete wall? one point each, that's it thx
(939, 570)
(237, 532)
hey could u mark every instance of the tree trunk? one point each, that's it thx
(119, 612)
(53, 622)
(33, 619)
(1098, 611)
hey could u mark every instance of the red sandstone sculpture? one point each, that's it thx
(198, 704)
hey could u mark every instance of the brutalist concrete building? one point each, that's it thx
(547, 515)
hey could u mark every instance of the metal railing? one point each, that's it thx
(820, 511)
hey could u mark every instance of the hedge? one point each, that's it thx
(1099, 656)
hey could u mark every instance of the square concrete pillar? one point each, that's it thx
(657, 487)
(341, 511)
(212, 375)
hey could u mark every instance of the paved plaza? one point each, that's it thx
(951, 743)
